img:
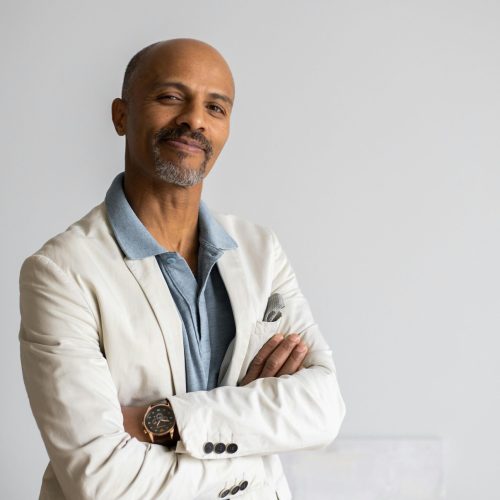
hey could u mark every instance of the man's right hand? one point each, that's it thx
(280, 355)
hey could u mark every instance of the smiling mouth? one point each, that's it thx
(184, 146)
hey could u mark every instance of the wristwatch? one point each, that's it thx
(159, 422)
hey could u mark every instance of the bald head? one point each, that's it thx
(178, 48)
(175, 111)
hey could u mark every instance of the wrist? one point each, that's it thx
(159, 424)
(132, 421)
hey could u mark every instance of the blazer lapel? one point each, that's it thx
(150, 278)
(233, 275)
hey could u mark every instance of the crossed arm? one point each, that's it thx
(278, 356)
(76, 406)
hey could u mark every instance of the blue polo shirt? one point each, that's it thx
(207, 317)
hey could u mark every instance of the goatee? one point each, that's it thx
(172, 171)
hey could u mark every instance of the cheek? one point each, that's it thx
(219, 140)
(145, 121)
(139, 142)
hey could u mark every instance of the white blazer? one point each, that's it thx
(99, 330)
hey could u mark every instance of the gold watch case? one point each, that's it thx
(159, 422)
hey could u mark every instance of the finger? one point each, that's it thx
(294, 361)
(279, 356)
(260, 358)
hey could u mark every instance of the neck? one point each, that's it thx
(169, 212)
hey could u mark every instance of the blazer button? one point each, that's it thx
(220, 448)
(232, 448)
(224, 493)
(243, 485)
(235, 490)
(209, 447)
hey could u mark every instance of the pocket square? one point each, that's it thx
(275, 303)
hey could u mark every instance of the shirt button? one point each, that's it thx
(243, 485)
(224, 493)
(220, 448)
(235, 490)
(171, 260)
(209, 447)
(232, 448)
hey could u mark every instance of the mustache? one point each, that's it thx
(167, 134)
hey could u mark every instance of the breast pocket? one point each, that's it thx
(263, 331)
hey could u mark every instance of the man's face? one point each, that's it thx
(178, 113)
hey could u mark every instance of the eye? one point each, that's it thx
(168, 97)
(217, 108)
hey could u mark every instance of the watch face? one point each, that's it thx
(159, 419)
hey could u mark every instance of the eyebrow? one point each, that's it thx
(185, 88)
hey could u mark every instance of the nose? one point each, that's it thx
(193, 116)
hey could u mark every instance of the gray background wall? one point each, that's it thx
(365, 133)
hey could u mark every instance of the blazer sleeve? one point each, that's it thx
(273, 414)
(76, 407)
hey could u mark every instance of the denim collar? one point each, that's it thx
(137, 242)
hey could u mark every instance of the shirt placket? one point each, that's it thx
(207, 258)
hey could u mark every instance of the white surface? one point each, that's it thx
(365, 133)
(369, 469)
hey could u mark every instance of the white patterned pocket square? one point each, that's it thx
(275, 304)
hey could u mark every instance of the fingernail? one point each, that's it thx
(301, 348)
(294, 338)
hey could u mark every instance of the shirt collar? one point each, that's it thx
(137, 242)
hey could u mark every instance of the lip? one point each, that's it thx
(185, 145)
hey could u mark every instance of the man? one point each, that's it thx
(167, 350)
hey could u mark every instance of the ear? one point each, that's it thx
(119, 115)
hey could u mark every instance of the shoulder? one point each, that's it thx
(81, 242)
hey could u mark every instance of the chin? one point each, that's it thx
(179, 174)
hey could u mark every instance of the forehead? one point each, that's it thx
(198, 68)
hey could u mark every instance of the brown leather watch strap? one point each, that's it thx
(175, 437)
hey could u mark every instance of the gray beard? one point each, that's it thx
(174, 173)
